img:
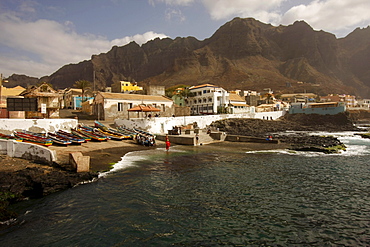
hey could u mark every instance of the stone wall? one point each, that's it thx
(8, 126)
(27, 151)
(161, 125)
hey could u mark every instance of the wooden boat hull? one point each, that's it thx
(26, 137)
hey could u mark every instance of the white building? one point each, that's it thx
(207, 99)
(108, 106)
(237, 104)
(210, 99)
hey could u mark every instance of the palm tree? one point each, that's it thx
(84, 85)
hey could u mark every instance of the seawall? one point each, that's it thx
(161, 125)
(8, 126)
(27, 151)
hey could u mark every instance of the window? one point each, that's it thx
(120, 106)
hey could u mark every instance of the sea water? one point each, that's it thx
(196, 196)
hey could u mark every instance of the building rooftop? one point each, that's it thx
(134, 97)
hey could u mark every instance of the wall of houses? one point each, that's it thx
(161, 125)
(8, 126)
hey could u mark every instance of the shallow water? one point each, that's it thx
(198, 197)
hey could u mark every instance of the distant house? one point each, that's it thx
(349, 100)
(9, 93)
(364, 103)
(87, 106)
(326, 108)
(207, 99)
(128, 87)
(72, 98)
(108, 106)
(237, 104)
(298, 97)
(48, 101)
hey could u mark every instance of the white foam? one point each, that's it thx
(126, 161)
(129, 159)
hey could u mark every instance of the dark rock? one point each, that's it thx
(35, 182)
(283, 129)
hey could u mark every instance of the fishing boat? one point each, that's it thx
(139, 131)
(113, 136)
(80, 135)
(74, 138)
(9, 137)
(59, 140)
(91, 135)
(113, 133)
(127, 131)
(35, 139)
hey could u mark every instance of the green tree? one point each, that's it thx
(84, 85)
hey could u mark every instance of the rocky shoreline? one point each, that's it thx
(291, 129)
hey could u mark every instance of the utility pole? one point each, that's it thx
(94, 79)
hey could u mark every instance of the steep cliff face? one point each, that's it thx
(244, 54)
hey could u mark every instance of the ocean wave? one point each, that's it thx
(351, 150)
(130, 159)
(127, 160)
(287, 152)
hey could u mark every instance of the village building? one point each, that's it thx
(298, 97)
(129, 87)
(72, 98)
(364, 103)
(9, 93)
(48, 101)
(207, 99)
(87, 106)
(325, 108)
(348, 100)
(237, 104)
(107, 106)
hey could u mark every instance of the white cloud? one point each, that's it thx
(138, 38)
(172, 2)
(337, 16)
(263, 10)
(331, 15)
(50, 45)
(174, 14)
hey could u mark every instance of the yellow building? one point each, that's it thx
(9, 92)
(128, 87)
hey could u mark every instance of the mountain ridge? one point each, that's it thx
(242, 54)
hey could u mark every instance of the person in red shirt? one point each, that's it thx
(168, 144)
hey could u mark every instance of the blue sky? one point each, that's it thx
(37, 37)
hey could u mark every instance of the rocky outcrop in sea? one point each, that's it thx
(293, 129)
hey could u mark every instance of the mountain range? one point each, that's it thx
(243, 54)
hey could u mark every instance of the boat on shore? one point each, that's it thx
(74, 138)
(59, 140)
(113, 133)
(90, 134)
(33, 138)
(9, 137)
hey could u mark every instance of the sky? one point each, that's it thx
(37, 37)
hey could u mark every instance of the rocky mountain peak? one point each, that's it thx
(242, 54)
